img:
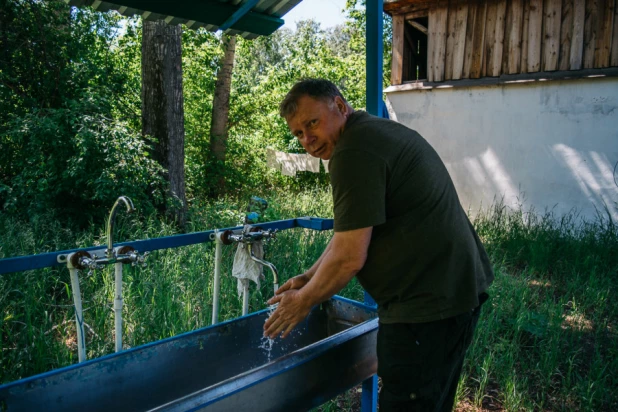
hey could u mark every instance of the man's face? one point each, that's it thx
(317, 124)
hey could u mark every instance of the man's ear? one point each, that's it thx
(341, 106)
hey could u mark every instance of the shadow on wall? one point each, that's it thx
(539, 146)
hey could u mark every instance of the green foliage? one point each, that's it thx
(63, 80)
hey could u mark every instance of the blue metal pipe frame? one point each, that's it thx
(375, 106)
(22, 263)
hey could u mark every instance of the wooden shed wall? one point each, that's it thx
(487, 38)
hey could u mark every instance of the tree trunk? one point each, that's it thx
(221, 109)
(162, 108)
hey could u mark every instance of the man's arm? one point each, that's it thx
(301, 280)
(343, 258)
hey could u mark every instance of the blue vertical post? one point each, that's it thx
(374, 49)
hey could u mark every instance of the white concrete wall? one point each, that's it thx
(548, 145)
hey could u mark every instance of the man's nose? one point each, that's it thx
(308, 139)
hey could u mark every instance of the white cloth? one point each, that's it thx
(246, 269)
(313, 164)
(325, 162)
(271, 159)
(290, 163)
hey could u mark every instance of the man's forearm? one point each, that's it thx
(339, 263)
(314, 268)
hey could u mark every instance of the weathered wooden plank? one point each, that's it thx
(524, 37)
(535, 31)
(494, 37)
(475, 39)
(590, 33)
(460, 40)
(490, 38)
(398, 42)
(605, 24)
(552, 17)
(614, 53)
(418, 26)
(577, 41)
(450, 41)
(566, 34)
(417, 14)
(438, 17)
(513, 37)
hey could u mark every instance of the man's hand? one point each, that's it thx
(296, 282)
(291, 311)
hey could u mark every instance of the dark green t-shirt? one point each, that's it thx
(425, 261)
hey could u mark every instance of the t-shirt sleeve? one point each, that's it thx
(358, 179)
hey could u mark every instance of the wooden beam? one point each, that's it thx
(590, 34)
(614, 52)
(437, 42)
(417, 14)
(398, 39)
(535, 31)
(418, 26)
(450, 42)
(605, 24)
(566, 34)
(513, 37)
(494, 39)
(524, 37)
(459, 46)
(552, 17)
(475, 40)
(577, 41)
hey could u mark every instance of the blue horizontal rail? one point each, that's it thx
(43, 260)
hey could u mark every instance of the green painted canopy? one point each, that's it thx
(247, 18)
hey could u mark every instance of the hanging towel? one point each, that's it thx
(246, 269)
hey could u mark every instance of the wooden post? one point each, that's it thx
(566, 35)
(438, 19)
(552, 17)
(535, 31)
(398, 41)
(577, 42)
(513, 35)
(605, 25)
(614, 53)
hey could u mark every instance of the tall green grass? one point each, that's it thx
(546, 340)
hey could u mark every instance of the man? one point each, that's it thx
(400, 229)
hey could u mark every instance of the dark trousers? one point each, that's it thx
(420, 363)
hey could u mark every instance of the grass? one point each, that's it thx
(546, 340)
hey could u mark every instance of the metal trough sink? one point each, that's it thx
(218, 368)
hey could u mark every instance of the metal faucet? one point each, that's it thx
(110, 223)
(267, 264)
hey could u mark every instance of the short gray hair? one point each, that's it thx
(319, 89)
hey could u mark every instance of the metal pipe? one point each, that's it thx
(79, 317)
(245, 297)
(217, 280)
(118, 305)
(110, 222)
(265, 263)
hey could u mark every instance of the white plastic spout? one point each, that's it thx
(245, 298)
(79, 317)
(118, 303)
(217, 280)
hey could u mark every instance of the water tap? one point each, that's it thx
(110, 223)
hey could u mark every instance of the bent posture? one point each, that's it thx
(400, 229)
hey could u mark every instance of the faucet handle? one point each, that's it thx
(137, 259)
